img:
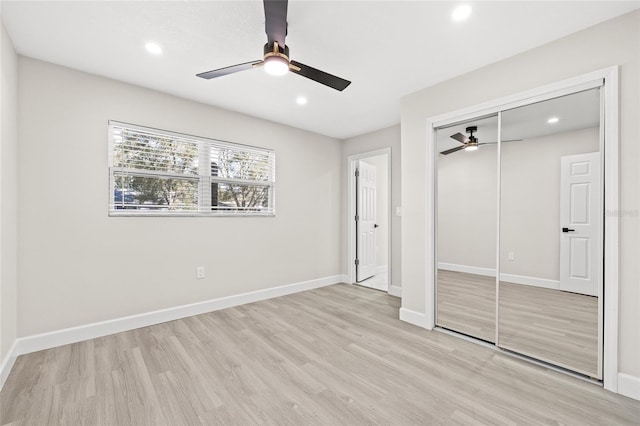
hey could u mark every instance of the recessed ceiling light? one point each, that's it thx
(301, 100)
(461, 13)
(153, 48)
(553, 120)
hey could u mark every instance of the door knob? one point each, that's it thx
(376, 225)
(568, 230)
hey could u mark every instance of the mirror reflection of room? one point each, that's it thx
(548, 206)
(466, 218)
(550, 280)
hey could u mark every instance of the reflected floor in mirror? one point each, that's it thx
(466, 303)
(550, 325)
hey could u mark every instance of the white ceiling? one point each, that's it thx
(574, 112)
(386, 48)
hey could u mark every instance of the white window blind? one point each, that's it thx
(157, 172)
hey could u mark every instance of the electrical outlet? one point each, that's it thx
(511, 256)
(200, 272)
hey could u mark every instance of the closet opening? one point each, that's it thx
(523, 253)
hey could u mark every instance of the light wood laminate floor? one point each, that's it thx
(333, 356)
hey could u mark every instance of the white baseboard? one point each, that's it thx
(66, 336)
(395, 290)
(532, 281)
(415, 318)
(629, 386)
(486, 272)
(511, 278)
(7, 363)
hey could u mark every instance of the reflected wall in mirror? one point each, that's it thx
(550, 280)
(466, 227)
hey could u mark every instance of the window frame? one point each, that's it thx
(204, 176)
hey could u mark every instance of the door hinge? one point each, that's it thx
(357, 262)
(357, 173)
(357, 218)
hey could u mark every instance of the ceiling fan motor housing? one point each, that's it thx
(473, 141)
(276, 50)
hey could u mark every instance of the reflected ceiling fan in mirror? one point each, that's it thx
(470, 143)
(276, 53)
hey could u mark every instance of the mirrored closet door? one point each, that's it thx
(551, 232)
(519, 224)
(466, 249)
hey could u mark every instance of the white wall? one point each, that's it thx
(610, 43)
(8, 195)
(382, 208)
(530, 204)
(385, 138)
(77, 265)
(467, 207)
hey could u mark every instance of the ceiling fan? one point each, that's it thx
(276, 53)
(470, 143)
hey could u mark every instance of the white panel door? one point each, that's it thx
(580, 220)
(365, 221)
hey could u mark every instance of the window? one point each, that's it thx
(160, 173)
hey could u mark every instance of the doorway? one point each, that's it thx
(369, 224)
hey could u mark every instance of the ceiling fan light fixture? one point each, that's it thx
(276, 59)
(471, 147)
(276, 65)
(276, 53)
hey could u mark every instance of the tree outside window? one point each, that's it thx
(165, 173)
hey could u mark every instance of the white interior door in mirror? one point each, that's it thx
(580, 218)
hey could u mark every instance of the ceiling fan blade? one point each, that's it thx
(452, 150)
(319, 76)
(275, 14)
(460, 138)
(229, 70)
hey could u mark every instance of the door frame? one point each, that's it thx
(608, 81)
(352, 163)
